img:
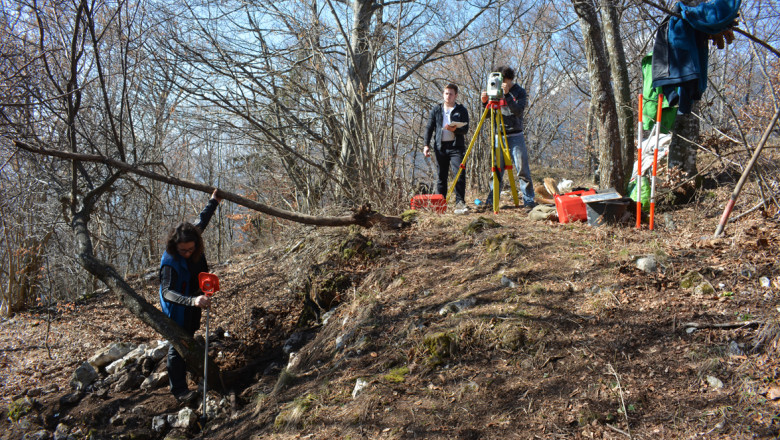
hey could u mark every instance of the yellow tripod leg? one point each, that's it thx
(494, 159)
(508, 164)
(466, 156)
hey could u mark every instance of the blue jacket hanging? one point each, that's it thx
(681, 52)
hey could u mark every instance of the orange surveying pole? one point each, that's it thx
(655, 159)
(639, 167)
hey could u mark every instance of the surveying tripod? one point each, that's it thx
(497, 132)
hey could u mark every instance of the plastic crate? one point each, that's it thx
(571, 207)
(433, 202)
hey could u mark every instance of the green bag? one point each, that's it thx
(645, 192)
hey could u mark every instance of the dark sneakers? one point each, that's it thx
(187, 397)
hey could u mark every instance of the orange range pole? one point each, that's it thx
(655, 160)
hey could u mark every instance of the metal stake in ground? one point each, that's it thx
(209, 284)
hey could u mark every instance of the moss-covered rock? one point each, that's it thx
(410, 215)
(20, 408)
(493, 243)
(704, 289)
(439, 346)
(358, 245)
(504, 245)
(397, 375)
(479, 225)
(511, 336)
(326, 289)
(292, 414)
(691, 279)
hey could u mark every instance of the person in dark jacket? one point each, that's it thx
(447, 126)
(180, 295)
(516, 99)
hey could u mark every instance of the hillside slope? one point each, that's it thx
(522, 330)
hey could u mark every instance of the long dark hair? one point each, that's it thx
(184, 233)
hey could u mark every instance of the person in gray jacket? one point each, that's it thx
(447, 127)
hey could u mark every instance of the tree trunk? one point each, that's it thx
(358, 75)
(611, 173)
(682, 154)
(620, 81)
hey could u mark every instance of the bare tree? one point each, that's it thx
(611, 171)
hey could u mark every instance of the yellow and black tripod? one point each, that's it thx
(497, 149)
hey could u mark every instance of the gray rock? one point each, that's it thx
(159, 352)
(72, 398)
(147, 365)
(120, 364)
(184, 419)
(647, 264)
(457, 306)
(159, 423)
(129, 381)
(506, 282)
(62, 431)
(292, 363)
(38, 435)
(128, 360)
(360, 384)
(294, 342)
(35, 392)
(110, 380)
(669, 222)
(27, 422)
(136, 353)
(111, 353)
(155, 381)
(326, 316)
(734, 349)
(101, 393)
(212, 407)
(273, 369)
(83, 376)
(714, 382)
(119, 418)
(342, 339)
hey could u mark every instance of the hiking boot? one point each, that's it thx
(187, 397)
(461, 208)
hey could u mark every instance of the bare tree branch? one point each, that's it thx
(363, 216)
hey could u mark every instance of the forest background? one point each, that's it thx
(314, 107)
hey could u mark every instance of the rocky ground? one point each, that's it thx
(460, 326)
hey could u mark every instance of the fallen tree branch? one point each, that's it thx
(362, 216)
(722, 325)
(746, 173)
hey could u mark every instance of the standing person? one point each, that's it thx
(447, 125)
(516, 100)
(180, 295)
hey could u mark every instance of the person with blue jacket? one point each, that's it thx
(180, 294)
